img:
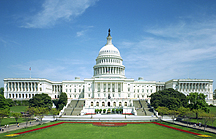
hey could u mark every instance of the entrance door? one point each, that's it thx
(109, 104)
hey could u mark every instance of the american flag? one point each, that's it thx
(30, 68)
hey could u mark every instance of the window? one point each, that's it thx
(104, 87)
(142, 90)
(108, 87)
(138, 90)
(97, 104)
(66, 85)
(113, 87)
(75, 90)
(103, 104)
(91, 103)
(151, 90)
(66, 90)
(114, 104)
(147, 90)
(89, 95)
(128, 89)
(70, 90)
(79, 90)
(125, 103)
(70, 85)
(119, 87)
(119, 95)
(98, 87)
(119, 103)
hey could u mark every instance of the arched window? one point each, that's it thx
(97, 104)
(91, 103)
(125, 104)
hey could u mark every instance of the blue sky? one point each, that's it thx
(60, 39)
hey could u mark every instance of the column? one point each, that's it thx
(54, 88)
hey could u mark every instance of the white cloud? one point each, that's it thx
(55, 10)
(172, 52)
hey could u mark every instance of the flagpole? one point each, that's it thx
(30, 71)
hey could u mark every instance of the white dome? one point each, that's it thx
(109, 48)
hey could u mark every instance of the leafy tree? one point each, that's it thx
(162, 110)
(205, 118)
(189, 115)
(40, 112)
(30, 111)
(169, 98)
(104, 110)
(41, 100)
(3, 103)
(3, 113)
(183, 111)
(197, 101)
(10, 102)
(2, 91)
(61, 102)
(173, 114)
(212, 118)
(54, 112)
(16, 115)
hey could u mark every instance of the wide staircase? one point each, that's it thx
(74, 108)
(143, 108)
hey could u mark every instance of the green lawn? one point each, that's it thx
(147, 131)
(18, 108)
(213, 110)
(10, 121)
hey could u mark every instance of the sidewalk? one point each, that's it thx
(207, 129)
(21, 125)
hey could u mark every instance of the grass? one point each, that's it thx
(147, 131)
(18, 108)
(213, 110)
(10, 121)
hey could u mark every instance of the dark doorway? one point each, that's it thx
(109, 104)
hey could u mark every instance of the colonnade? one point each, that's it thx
(56, 88)
(20, 95)
(159, 88)
(22, 86)
(109, 70)
(193, 86)
(108, 87)
(108, 61)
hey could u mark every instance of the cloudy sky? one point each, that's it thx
(60, 39)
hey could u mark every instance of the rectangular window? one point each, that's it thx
(113, 87)
(75, 90)
(142, 90)
(104, 87)
(119, 87)
(98, 87)
(128, 89)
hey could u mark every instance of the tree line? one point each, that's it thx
(39, 105)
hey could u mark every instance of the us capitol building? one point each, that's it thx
(108, 88)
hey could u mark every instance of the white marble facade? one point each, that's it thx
(107, 88)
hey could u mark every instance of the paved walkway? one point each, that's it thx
(15, 127)
(192, 126)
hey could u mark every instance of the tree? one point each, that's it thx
(173, 114)
(3, 113)
(40, 112)
(197, 101)
(62, 101)
(169, 98)
(16, 115)
(3, 103)
(183, 111)
(41, 100)
(205, 118)
(2, 91)
(30, 111)
(54, 112)
(10, 102)
(188, 116)
(162, 110)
